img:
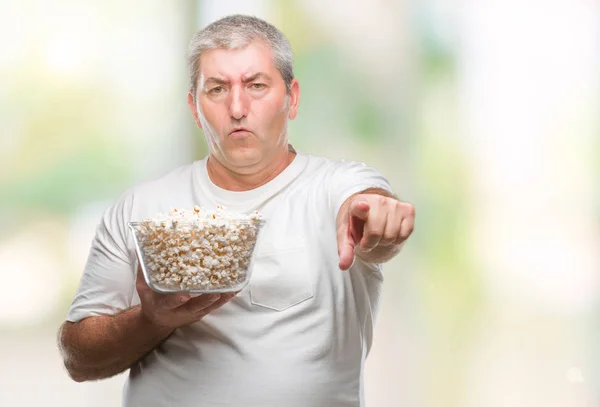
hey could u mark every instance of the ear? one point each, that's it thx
(192, 106)
(294, 98)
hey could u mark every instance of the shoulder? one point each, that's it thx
(345, 178)
(336, 164)
(342, 171)
(331, 166)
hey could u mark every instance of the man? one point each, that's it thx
(299, 333)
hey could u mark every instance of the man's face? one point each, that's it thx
(243, 106)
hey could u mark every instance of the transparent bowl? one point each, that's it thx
(196, 257)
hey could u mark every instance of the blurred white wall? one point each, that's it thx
(529, 88)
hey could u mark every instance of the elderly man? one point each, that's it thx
(299, 333)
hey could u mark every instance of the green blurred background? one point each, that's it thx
(484, 114)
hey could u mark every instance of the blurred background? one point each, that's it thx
(484, 114)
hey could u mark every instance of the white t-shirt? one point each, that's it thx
(297, 335)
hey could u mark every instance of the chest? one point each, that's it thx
(296, 252)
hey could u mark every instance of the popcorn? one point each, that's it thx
(197, 249)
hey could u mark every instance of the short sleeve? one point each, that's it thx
(351, 177)
(108, 281)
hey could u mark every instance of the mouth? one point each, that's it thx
(240, 132)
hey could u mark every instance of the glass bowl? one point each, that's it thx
(196, 257)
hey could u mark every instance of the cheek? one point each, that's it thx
(269, 115)
(215, 116)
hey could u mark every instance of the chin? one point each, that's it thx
(244, 156)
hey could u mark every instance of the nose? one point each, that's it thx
(238, 103)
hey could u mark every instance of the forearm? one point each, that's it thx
(103, 346)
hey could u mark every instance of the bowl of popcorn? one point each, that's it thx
(197, 251)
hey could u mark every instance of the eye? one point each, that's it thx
(216, 90)
(258, 86)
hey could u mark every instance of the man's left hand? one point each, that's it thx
(373, 227)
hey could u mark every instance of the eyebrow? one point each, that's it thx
(256, 76)
(251, 78)
(215, 80)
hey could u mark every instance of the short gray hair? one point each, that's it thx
(238, 31)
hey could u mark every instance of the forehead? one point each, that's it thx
(234, 63)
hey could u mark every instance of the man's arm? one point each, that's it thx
(373, 225)
(103, 346)
(99, 347)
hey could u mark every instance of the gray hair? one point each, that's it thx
(238, 31)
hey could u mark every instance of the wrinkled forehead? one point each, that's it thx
(234, 65)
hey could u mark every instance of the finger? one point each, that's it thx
(346, 244)
(374, 228)
(356, 227)
(392, 227)
(346, 253)
(199, 303)
(140, 282)
(228, 296)
(360, 209)
(171, 301)
(225, 298)
(406, 228)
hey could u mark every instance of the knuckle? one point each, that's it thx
(207, 300)
(388, 237)
(200, 313)
(373, 240)
(372, 236)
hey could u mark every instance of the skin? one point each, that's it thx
(373, 226)
(237, 89)
(242, 88)
(102, 346)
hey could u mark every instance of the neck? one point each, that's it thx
(231, 180)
